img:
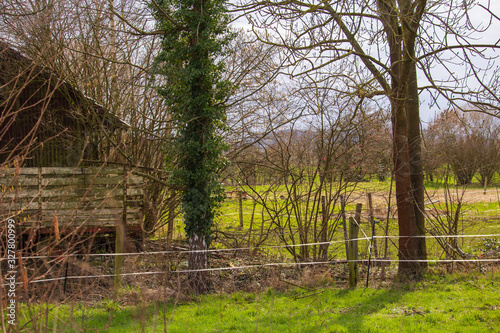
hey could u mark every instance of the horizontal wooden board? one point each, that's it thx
(83, 180)
(65, 172)
(71, 192)
(61, 171)
(65, 202)
(49, 215)
(82, 224)
(77, 203)
(77, 196)
(95, 212)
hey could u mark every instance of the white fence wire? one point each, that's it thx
(276, 264)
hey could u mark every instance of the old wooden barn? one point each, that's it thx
(49, 134)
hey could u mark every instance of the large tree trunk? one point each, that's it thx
(416, 167)
(412, 14)
(401, 24)
(408, 244)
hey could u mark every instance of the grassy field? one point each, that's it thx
(443, 303)
(479, 214)
(440, 303)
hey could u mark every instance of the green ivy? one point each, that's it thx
(196, 34)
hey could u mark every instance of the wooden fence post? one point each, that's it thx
(323, 248)
(371, 219)
(39, 196)
(240, 200)
(251, 224)
(120, 237)
(353, 252)
(373, 242)
(344, 225)
(357, 215)
(171, 218)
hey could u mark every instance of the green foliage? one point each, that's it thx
(195, 36)
(451, 303)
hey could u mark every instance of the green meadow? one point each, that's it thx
(441, 303)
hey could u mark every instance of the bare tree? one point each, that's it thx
(467, 143)
(306, 150)
(381, 48)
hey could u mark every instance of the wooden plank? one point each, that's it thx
(68, 192)
(20, 194)
(81, 204)
(22, 171)
(79, 180)
(58, 171)
(89, 217)
(61, 171)
(68, 203)
(135, 180)
(18, 206)
(135, 192)
(132, 220)
(96, 212)
(68, 171)
(82, 181)
(18, 181)
(344, 225)
(79, 197)
(121, 225)
(81, 213)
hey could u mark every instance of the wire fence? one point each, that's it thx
(270, 247)
(260, 266)
(63, 257)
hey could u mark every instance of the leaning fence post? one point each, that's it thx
(251, 224)
(240, 202)
(323, 248)
(373, 242)
(353, 252)
(344, 225)
(372, 224)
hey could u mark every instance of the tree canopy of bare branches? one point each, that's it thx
(396, 49)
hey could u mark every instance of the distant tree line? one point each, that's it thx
(463, 144)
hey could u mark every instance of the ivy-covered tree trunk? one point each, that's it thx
(195, 34)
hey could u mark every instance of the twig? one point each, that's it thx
(296, 285)
(319, 292)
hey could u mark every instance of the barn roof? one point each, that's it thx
(14, 63)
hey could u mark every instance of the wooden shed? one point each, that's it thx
(45, 120)
(47, 131)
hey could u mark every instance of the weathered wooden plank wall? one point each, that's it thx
(78, 197)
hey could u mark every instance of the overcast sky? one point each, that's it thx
(477, 16)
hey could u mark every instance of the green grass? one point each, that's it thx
(478, 218)
(440, 304)
(456, 303)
